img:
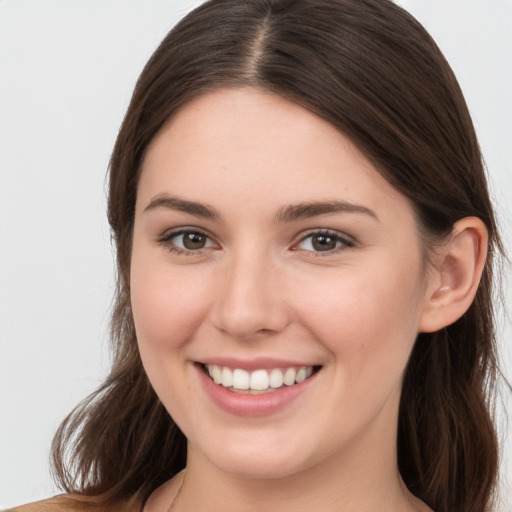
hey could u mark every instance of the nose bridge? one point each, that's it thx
(251, 298)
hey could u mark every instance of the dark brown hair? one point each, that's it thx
(371, 70)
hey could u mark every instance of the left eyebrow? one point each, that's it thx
(317, 208)
(182, 205)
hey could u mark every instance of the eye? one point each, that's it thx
(187, 240)
(324, 241)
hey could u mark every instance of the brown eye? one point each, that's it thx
(323, 243)
(194, 241)
(187, 241)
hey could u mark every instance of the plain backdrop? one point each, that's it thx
(67, 70)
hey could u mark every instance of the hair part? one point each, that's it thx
(370, 69)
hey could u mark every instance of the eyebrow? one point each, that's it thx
(182, 205)
(317, 208)
(285, 214)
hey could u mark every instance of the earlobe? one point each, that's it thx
(454, 283)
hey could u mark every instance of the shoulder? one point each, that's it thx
(57, 504)
(63, 503)
(76, 503)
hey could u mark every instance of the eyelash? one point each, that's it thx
(344, 241)
(166, 241)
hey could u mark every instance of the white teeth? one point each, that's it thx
(276, 378)
(304, 373)
(240, 379)
(259, 380)
(216, 374)
(301, 375)
(227, 377)
(289, 377)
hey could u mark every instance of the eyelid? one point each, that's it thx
(167, 236)
(346, 241)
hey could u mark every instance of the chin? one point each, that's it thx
(258, 459)
(262, 468)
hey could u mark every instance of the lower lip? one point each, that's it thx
(242, 404)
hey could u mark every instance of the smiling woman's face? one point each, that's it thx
(266, 248)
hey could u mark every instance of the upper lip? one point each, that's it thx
(260, 363)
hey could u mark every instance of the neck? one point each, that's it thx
(348, 482)
(315, 489)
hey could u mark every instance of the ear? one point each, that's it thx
(454, 278)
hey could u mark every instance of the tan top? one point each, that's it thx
(76, 503)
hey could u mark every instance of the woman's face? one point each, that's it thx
(269, 253)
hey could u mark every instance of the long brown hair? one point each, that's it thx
(371, 70)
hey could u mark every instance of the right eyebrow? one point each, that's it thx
(175, 203)
(317, 208)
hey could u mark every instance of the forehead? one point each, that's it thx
(249, 145)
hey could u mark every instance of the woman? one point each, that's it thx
(305, 244)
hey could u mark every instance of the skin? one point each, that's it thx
(259, 288)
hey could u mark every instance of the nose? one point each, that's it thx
(251, 299)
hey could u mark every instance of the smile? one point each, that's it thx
(258, 381)
(258, 387)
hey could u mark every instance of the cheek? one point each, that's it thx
(366, 318)
(167, 310)
(167, 306)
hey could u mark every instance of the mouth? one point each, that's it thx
(259, 381)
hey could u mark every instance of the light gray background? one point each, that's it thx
(67, 70)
